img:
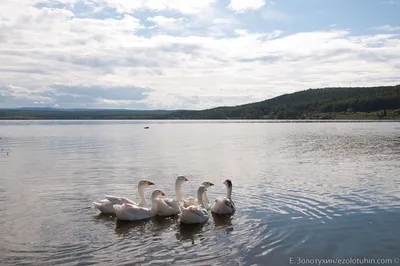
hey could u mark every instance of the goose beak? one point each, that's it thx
(150, 183)
(186, 179)
(211, 184)
(163, 194)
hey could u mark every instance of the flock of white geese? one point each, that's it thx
(191, 210)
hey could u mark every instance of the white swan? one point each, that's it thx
(194, 214)
(224, 205)
(168, 207)
(193, 201)
(130, 212)
(106, 205)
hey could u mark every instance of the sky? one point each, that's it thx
(190, 54)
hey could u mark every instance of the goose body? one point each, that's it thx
(194, 214)
(193, 201)
(129, 212)
(168, 207)
(224, 205)
(106, 205)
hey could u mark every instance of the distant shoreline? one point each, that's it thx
(225, 120)
(329, 104)
(60, 115)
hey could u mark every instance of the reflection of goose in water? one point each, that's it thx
(189, 231)
(157, 225)
(160, 221)
(104, 217)
(223, 221)
(107, 221)
(123, 228)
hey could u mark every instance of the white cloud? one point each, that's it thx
(241, 32)
(183, 6)
(53, 57)
(168, 23)
(241, 5)
(22, 93)
(386, 28)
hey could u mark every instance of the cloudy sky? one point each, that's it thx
(192, 54)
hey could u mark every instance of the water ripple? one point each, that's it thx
(319, 190)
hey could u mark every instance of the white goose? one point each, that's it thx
(224, 205)
(168, 207)
(193, 201)
(106, 205)
(130, 212)
(194, 214)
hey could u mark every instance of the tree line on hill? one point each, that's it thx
(304, 104)
(299, 105)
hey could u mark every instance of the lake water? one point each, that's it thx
(302, 191)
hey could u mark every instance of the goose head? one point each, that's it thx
(145, 184)
(181, 179)
(228, 183)
(157, 193)
(207, 184)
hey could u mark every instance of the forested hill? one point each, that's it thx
(306, 104)
(328, 103)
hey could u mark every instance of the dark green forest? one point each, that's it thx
(325, 103)
(64, 114)
(307, 104)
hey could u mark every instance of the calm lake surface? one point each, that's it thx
(302, 190)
